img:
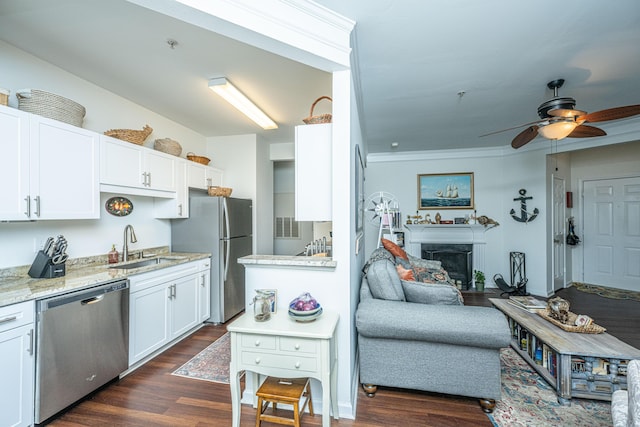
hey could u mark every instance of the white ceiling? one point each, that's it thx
(413, 57)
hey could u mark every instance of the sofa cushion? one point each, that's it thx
(394, 249)
(384, 282)
(483, 327)
(424, 263)
(431, 293)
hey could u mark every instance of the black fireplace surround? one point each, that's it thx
(456, 258)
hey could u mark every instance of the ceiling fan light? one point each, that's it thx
(557, 130)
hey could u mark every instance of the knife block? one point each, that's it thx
(44, 268)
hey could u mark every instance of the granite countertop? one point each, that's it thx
(288, 261)
(17, 286)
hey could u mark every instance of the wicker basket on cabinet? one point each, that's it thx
(131, 135)
(198, 159)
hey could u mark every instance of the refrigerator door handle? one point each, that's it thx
(226, 236)
(227, 247)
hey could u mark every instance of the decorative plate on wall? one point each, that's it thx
(119, 206)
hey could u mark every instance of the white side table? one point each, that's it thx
(282, 347)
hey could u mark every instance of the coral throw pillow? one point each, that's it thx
(405, 274)
(394, 249)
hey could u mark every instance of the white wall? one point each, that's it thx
(105, 110)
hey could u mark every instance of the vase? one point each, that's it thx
(480, 286)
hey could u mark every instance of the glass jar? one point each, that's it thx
(261, 307)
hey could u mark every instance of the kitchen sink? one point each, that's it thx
(148, 262)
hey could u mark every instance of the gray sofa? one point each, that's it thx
(418, 335)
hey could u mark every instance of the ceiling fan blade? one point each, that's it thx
(525, 136)
(584, 131)
(611, 114)
(515, 127)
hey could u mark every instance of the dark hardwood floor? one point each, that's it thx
(151, 396)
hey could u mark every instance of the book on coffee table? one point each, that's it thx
(527, 302)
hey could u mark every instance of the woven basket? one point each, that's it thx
(220, 191)
(198, 159)
(169, 146)
(130, 135)
(570, 325)
(50, 105)
(4, 96)
(322, 118)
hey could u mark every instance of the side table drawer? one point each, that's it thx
(278, 360)
(263, 342)
(299, 345)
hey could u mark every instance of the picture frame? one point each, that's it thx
(445, 191)
(272, 296)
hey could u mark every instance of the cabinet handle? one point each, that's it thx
(180, 209)
(257, 343)
(149, 175)
(28, 211)
(209, 182)
(202, 283)
(144, 178)
(257, 360)
(297, 365)
(8, 319)
(30, 350)
(37, 212)
(175, 290)
(297, 346)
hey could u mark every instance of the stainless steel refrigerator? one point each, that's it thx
(221, 226)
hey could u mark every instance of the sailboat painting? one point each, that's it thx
(445, 191)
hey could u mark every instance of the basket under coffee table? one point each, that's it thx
(589, 366)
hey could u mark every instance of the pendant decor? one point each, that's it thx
(525, 216)
(119, 206)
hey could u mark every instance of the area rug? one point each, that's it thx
(211, 364)
(607, 292)
(529, 401)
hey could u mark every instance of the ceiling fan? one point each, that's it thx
(559, 119)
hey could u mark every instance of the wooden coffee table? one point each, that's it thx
(590, 366)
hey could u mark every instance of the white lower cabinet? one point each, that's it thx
(205, 290)
(163, 305)
(17, 369)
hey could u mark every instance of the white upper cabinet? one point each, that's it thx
(179, 206)
(201, 176)
(313, 172)
(131, 169)
(50, 169)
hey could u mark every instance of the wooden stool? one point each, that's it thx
(279, 390)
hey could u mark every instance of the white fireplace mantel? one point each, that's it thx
(448, 233)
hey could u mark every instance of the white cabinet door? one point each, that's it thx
(184, 305)
(121, 163)
(197, 175)
(17, 366)
(49, 169)
(131, 169)
(313, 171)
(17, 373)
(214, 177)
(148, 321)
(14, 164)
(179, 206)
(204, 296)
(161, 169)
(64, 179)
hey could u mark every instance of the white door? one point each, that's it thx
(558, 234)
(612, 232)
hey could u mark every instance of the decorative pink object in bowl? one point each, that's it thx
(304, 305)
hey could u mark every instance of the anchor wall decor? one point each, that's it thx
(524, 215)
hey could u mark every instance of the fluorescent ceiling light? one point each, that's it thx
(557, 130)
(233, 96)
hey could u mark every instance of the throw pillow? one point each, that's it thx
(425, 263)
(384, 282)
(431, 275)
(394, 249)
(405, 274)
(431, 293)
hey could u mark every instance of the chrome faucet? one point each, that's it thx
(125, 246)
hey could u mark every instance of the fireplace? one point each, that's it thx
(457, 259)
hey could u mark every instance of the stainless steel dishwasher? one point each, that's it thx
(82, 344)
